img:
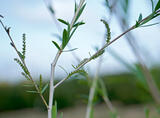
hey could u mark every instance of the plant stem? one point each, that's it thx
(91, 95)
(51, 91)
(53, 65)
(22, 60)
(104, 46)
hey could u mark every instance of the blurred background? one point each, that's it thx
(121, 68)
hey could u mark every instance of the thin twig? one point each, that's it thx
(105, 46)
(53, 65)
(14, 46)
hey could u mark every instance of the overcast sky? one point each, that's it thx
(31, 17)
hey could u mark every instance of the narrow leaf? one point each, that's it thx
(152, 5)
(75, 7)
(65, 38)
(57, 46)
(32, 91)
(70, 50)
(54, 110)
(150, 25)
(44, 88)
(140, 17)
(157, 6)
(80, 12)
(78, 24)
(63, 21)
(40, 83)
(148, 19)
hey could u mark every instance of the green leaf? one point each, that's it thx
(157, 6)
(73, 32)
(44, 88)
(78, 24)
(75, 7)
(80, 12)
(54, 110)
(70, 50)
(40, 83)
(140, 17)
(148, 19)
(63, 21)
(57, 46)
(65, 38)
(152, 5)
(32, 91)
(150, 25)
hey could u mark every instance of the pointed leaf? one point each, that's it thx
(152, 5)
(70, 50)
(65, 38)
(40, 83)
(63, 21)
(75, 7)
(32, 91)
(157, 6)
(150, 25)
(80, 12)
(57, 46)
(140, 17)
(44, 88)
(78, 24)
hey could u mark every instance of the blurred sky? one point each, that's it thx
(32, 17)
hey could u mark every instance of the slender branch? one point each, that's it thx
(51, 91)
(53, 65)
(105, 46)
(91, 95)
(22, 60)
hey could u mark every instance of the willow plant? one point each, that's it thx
(66, 36)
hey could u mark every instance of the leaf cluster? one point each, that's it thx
(154, 14)
(71, 28)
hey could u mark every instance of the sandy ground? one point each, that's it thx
(101, 111)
